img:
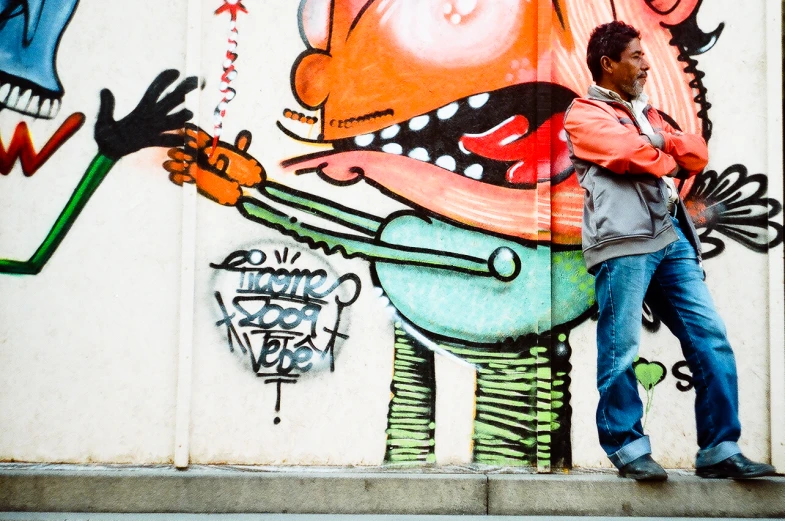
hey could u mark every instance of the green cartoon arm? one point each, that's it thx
(148, 125)
(503, 263)
(96, 173)
(354, 245)
(224, 172)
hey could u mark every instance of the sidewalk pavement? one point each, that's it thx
(372, 491)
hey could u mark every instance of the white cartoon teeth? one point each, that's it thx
(46, 107)
(390, 132)
(479, 100)
(26, 101)
(12, 98)
(420, 154)
(447, 111)
(364, 140)
(418, 123)
(474, 171)
(393, 148)
(446, 162)
(4, 90)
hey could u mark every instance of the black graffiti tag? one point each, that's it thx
(277, 313)
(287, 320)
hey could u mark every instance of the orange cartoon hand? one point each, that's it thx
(219, 174)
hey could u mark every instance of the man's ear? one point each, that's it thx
(607, 64)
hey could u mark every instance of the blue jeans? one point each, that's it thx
(671, 280)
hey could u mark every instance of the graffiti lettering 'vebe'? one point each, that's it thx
(21, 146)
(276, 352)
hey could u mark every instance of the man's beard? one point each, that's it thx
(635, 88)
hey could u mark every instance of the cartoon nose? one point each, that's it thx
(312, 79)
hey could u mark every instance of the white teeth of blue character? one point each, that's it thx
(446, 162)
(21, 103)
(473, 171)
(364, 140)
(390, 132)
(10, 102)
(419, 153)
(392, 148)
(25, 101)
(46, 106)
(478, 100)
(419, 122)
(447, 111)
(33, 106)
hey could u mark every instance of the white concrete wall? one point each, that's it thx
(92, 347)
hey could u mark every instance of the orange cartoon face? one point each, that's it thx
(476, 88)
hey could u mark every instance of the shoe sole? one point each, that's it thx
(713, 475)
(655, 477)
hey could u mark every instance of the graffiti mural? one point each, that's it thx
(30, 32)
(229, 70)
(148, 125)
(448, 110)
(21, 146)
(648, 374)
(486, 263)
(282, 311)
(29, 84)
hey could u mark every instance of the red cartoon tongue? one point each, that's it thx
(537, 158)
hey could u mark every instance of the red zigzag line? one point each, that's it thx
(21, 146)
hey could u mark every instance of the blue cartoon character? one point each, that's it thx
(30, 31)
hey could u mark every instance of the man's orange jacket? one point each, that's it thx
(625, 201)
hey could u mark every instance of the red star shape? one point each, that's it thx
(232, 8)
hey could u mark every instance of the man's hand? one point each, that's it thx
(150, 124)
(219, 174)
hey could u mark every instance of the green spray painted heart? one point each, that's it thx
(648, 373)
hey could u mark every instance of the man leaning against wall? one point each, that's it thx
(640, 243)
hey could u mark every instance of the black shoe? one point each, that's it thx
(736, 467)
(643, 469)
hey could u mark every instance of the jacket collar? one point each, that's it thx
(598, 93)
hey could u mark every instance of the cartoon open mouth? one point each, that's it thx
(28, 98)
(30, 32)
(491, 137)
(494, 160)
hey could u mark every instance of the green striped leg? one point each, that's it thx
(410, 421)
(515, 409)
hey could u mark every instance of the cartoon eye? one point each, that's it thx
(457, 32)
(320, 18)
(314, 18)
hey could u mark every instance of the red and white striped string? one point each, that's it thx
(229, 70)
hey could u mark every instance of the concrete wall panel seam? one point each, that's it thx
(774, 134)
(188, 259)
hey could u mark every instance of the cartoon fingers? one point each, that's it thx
(218, 173)
(151, 124)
